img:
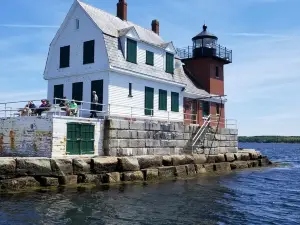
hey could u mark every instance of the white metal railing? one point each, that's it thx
(82, 107)
(199, 133)
(216, 120)
(114, 110)
(138, 113)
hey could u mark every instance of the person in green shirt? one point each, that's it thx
(72, 109)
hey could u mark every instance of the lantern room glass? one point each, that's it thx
(205, 42)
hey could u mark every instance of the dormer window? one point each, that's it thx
(131, 50)
(77, 24)
(169, 63)
(149, 58)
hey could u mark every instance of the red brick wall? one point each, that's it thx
(204, 70)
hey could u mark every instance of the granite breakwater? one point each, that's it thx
(28, 173)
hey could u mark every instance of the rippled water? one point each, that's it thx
(260, 196)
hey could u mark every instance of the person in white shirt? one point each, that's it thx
(94, 106)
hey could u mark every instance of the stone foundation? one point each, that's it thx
(130, 138)
(22, 173)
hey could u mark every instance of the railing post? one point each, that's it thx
(169, 117)
(225, 52)
(5, 110)
(79, 113)
(131, 113)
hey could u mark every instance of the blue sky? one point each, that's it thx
(261, 84)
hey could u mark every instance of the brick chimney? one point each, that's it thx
(122, 10)
(155, 26)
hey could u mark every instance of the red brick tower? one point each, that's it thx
(204, 63)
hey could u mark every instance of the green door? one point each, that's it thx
(149, 101)
(97, 85)
(73, 139)
(80, 139)
(87, 139)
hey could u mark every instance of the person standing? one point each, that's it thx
(94, 105)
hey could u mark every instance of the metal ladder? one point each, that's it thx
(200, 132)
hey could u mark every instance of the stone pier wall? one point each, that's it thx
(127, 138)
(22, 173)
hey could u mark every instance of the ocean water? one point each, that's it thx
(256, 196)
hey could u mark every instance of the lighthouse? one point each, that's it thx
(204, 64)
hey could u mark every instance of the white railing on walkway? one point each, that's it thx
(11, 109)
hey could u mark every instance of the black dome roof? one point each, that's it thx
(205, 34)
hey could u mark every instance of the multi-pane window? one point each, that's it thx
(64, 58)
(58, 93)
(77, 92)
(162, 102)
(174, 102)
(149, 58)
(131, 50)
(169, 63)
(88, 52)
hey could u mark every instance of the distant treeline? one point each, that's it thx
(270, 139)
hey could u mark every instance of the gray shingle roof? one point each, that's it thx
(117, 60)
(111, 24)
(113, 27)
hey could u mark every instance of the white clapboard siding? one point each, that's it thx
(159, 55)
(121, 104)
(86, 79)
(69, 35)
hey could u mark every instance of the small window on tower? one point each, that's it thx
(217, 109)
(77, 24)
(217, 72)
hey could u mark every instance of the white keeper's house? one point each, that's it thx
(133, 70)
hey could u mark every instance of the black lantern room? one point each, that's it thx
(204, 44)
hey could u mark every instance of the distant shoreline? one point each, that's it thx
(270, 139)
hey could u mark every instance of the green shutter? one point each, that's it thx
(205, 108)
(89, 52)
(162, 100)
(169, 63)
(149, 58)
(131, 50)
(97, 85)
(80, 138)
(77, 92)
(149, 100)
(58, 93)
(64, 59)
(174, 102)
